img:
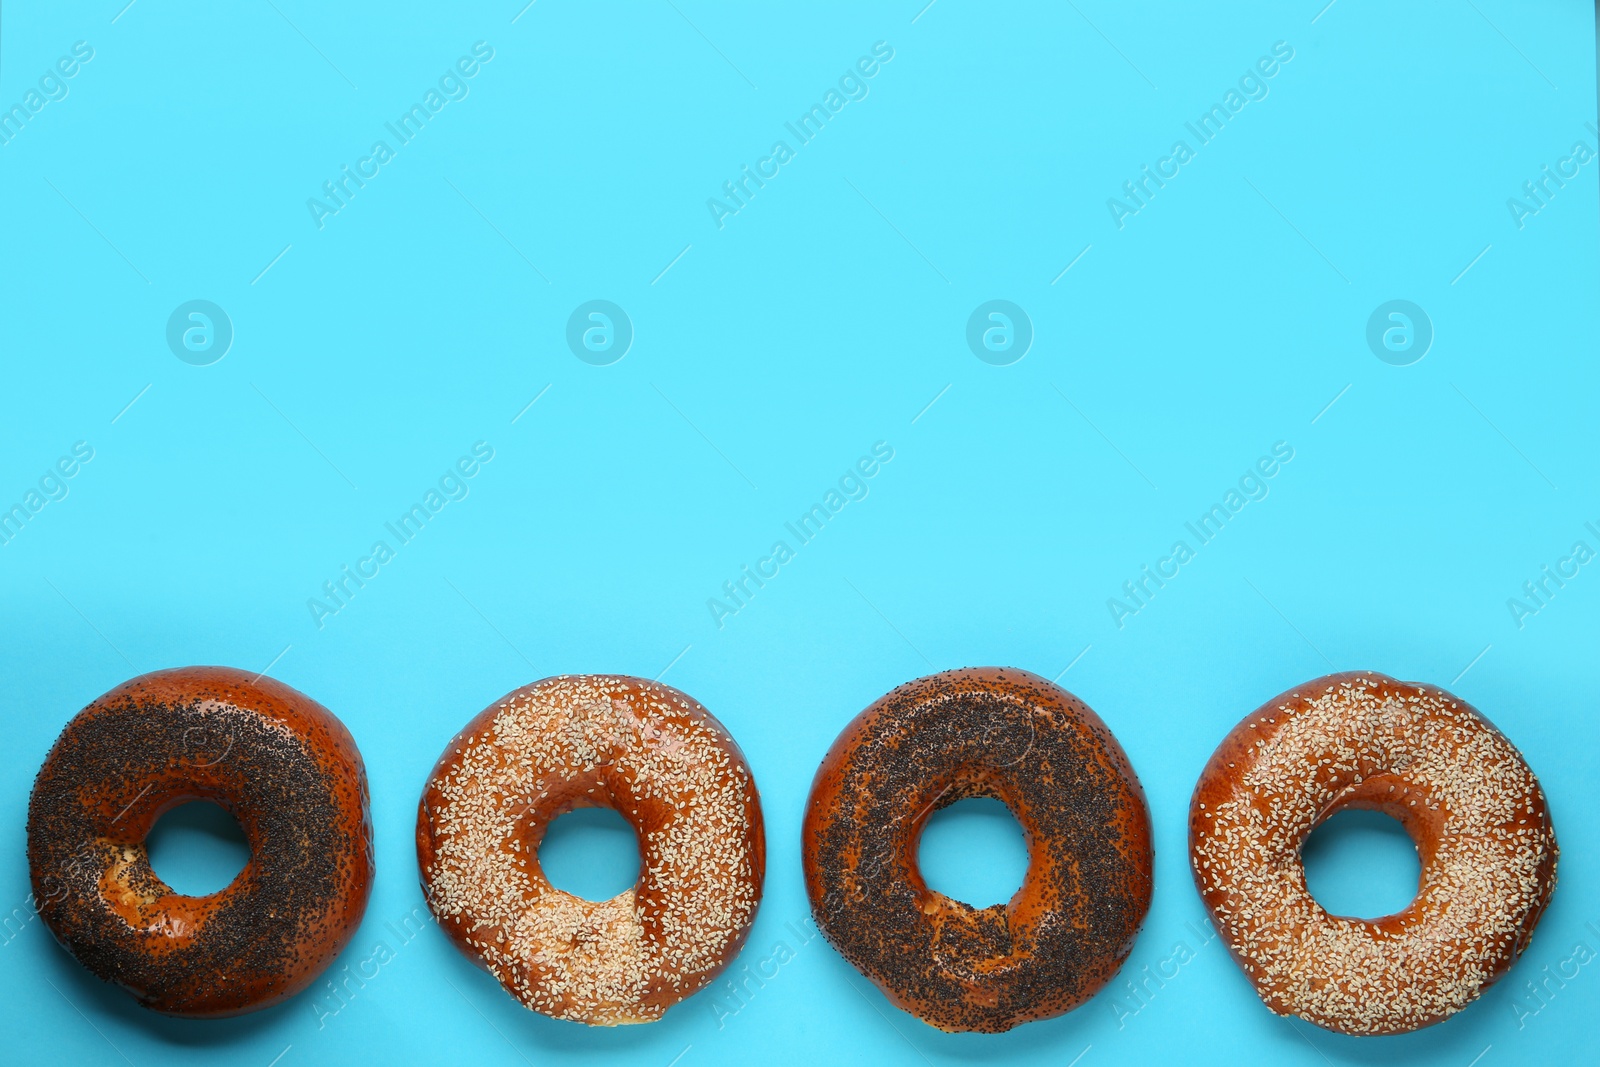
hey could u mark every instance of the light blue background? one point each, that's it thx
(825, 316)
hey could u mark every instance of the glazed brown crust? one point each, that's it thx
(989, 732)
(1415, 752)
(662, 761)
(275, 759)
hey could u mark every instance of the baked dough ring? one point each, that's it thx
(279, 762)
(1421, 755)
(655, 756)
(982, 732)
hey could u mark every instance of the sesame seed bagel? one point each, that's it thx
(279, 762)
(981, 732)
(667, 766)
(1429, 760)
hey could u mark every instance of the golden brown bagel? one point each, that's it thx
(655, 756)
(1419, 754)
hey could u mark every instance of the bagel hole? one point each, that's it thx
(974, 851)
(1361, 865)
(197, 848)
(591, 853)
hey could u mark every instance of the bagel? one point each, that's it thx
(1428, 759)
(279, 763)
(666, 765)
(981, 732)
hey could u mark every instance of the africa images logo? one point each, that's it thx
(199, 332)
(453, 485)
(999, 332)
(1399, 333)
(1253, 485)
(599, 332)
(52, 88)
(738, 592)
(1251, 86)
(851, 85)
(451, 86)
